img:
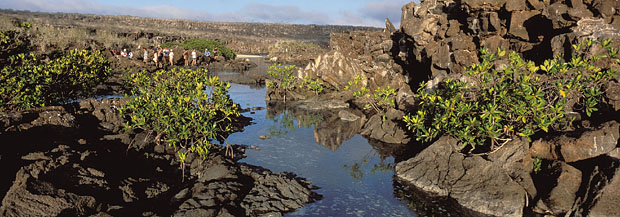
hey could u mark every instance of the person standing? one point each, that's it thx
(155, 58)
(146, 55)
(171, 57)
(166, 54)
(185, 56)
(194, 56)
(160, 56)
(207, 56)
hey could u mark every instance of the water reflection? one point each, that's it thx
(358, 168)
(329, 129)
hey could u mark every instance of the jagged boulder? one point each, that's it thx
(525, 26)
(472, 181)
(562, 197)
(387, 130)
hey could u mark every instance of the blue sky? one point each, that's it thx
(336, 12)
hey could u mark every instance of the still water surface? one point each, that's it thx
(354, 179)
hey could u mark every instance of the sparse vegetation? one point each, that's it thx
(314, 85)
(283, 78)
(381, 99)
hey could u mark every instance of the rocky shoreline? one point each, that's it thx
(578, 170)
(75, 160)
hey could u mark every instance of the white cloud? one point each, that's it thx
(261, 12)
(380, 10)
(355, 19)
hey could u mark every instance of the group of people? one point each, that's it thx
(129, 54)
(162, 56)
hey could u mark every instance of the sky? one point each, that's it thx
(333, 12)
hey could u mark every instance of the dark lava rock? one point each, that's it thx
(387, 130)
(117, 174)
(516, 160)
(613, 94)
(517, 26)
(562, 197)
(609, 196)
(224, 186)
(588, 145)
(473, 182)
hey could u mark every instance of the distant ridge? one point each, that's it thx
(240, 36)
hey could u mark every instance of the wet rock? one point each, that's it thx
(588, 145)
(473, 182)
(386, 130)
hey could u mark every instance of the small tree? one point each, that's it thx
(283, 78)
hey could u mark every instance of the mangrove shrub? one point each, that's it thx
(28, 82)
(491, 104)
(187, 109)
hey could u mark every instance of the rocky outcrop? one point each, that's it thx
(366, 54)
(563, 195)
(387, 130)
(446, 35)
(100, 170)
(588, 145)
(472, 181)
